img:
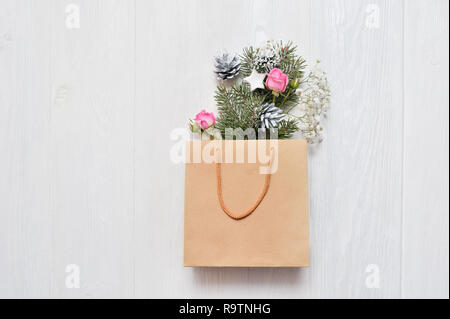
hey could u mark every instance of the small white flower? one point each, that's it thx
(314, 97)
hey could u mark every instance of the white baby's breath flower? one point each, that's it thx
(314, 99)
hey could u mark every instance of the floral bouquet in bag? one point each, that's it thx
(266, 92)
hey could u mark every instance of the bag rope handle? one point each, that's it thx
(255, 205)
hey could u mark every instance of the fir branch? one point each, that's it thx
(287, 128)
(290, 63)
(247, 61)
(289, 102)
(237, 107)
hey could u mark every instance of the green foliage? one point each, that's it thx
(290, 63)
(287, 102)
(287, 59)
(287, 128)
(247, 61)
(239, 107)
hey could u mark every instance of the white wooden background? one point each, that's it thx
(85, 122)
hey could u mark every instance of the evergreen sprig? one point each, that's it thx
(237, 107)
(290, 63)
(248, 61)
(287, 128)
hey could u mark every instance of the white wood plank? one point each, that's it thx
(176, 43)
(425, 192)
(25, 220)
(92, 116)
(355, 175)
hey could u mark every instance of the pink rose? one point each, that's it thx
(277, 80)
(205, 119)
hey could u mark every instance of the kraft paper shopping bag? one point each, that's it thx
(275, 233)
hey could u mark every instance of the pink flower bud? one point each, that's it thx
(277, 80)
(205, 119)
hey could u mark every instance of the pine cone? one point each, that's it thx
(270, 116)
(266, 60)
(227, 66)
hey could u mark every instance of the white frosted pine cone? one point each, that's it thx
(270, 116)
(227, 66)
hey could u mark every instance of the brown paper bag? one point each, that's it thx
(275, 234)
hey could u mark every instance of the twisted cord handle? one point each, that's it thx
(255, 205)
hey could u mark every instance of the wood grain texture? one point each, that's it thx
(425, 164)
(356, 213)
(25, 219)
(85, 141)
(92, 143)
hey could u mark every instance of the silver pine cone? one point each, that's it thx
(227, 66)
(266, 60)
(270, 116)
